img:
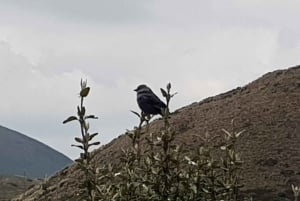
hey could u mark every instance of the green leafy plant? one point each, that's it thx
(166, 172)
(163, 158)
(155, 167)
(85, 142)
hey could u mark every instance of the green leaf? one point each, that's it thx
(71, 118)
(137, 114)
(164, 93)
(79, 146)
(92, 136)
(77, 139)
(169, 86)
(79, 160)
(94, 144)
(84, 92)
(91, 117)
(172, 95)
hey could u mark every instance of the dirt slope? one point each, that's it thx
(268, 109)
(10, 186)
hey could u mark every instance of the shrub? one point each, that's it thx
(154, 167)
(85, 142)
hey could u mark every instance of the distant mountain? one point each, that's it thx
(22, 155)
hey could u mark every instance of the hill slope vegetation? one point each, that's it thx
(267, 108)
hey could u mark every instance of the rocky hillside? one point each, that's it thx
(268, 109)
(21, 155)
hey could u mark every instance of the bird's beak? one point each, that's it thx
(135, 90)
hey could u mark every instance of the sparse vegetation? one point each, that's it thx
(167, 172)
(160, 169)
(156, 164)
(85, 142)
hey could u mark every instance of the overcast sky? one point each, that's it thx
(203, 47)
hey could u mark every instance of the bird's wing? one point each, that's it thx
(153, 100)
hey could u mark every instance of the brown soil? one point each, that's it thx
(268, 109)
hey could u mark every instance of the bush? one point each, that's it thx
(155, 168)
(85, 142)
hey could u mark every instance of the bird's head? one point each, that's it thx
(142, 88)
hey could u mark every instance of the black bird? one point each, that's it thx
(148, 101)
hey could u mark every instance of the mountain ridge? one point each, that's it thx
(23, 155)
